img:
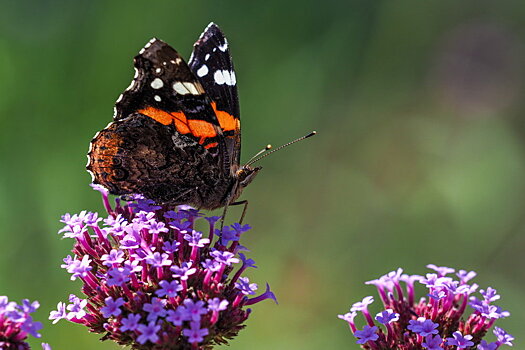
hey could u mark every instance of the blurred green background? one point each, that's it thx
(420, 156)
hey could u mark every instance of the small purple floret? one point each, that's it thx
(224, 257)
(60, 313)
(184, 271)
(217, 304)
(169, 289)
(432, 342)
(112, 307)
(362, 305)
(487, 346)
(193, 310)
(195, 333)
(503, 336)
(155, 309)
(148, 333)
(459, 340)
(130, 323)
(245, 286)
(367, 334)
(387, 316)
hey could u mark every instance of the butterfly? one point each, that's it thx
(175, 137)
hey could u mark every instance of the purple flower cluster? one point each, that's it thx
(440, 320)
(152, 281)
(16, 323)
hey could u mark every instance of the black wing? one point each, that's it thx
(212, 64)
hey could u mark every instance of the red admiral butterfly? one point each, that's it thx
(176, 134)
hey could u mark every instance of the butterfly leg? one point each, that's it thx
(222, 218)
(245, 203)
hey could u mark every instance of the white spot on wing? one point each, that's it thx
(224, 47)
(158, 70)
(207, 56)
(184, 88)
(157, 98)
(180, 88)
(219, 77)
(191, 88)
(227, 77)
(224, 77)
(202, 71)
(157, 83)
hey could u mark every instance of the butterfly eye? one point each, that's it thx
(247, 174)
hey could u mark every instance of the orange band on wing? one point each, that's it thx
(226, 120)
(157, 114)
(211, 145)
(196, 127)
(181, 123)
(201, 128)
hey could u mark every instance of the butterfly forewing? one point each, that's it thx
(163, 81)
(212, 64)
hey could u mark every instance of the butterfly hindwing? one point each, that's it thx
(212, 64)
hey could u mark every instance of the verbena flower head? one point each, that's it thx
(152, 281)
(448, 317)
(16, 323)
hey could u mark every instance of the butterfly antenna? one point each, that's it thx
(268, 147)
(257, 158)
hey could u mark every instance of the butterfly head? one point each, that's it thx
(246, 174)
(243, 177)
